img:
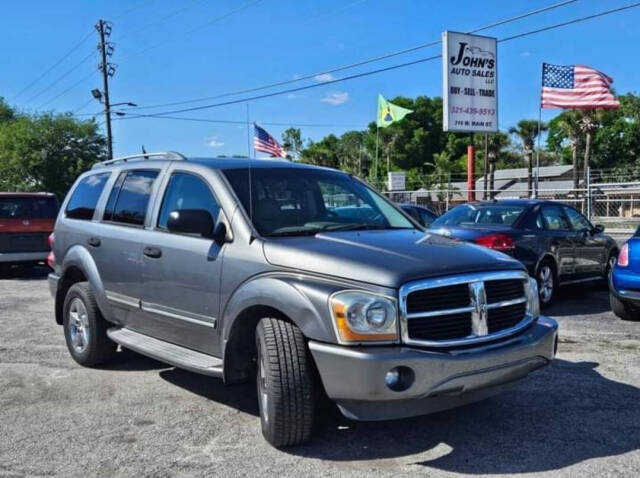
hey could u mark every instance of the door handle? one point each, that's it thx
(152, 252)
(94, 241)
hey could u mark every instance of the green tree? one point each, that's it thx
(47, 152)
(527, 132)
(566, 127)
(323, 152)
(292, 143)
(6, 112)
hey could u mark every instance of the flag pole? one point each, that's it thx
(535, 194)
(377, 140)
(248, 133)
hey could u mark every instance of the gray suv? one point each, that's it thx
(251, 269)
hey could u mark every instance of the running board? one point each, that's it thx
(165, 352)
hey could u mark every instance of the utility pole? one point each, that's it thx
(108, 70)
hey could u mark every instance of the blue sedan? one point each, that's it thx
(624, 285)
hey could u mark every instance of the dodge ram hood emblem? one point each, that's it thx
(479, 312)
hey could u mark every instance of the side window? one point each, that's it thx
(186, 191)
(554, 219)
(82, 203)
(578, 221)
(128, 202)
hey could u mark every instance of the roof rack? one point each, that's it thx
(167, 155)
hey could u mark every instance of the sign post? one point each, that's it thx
(470, 89)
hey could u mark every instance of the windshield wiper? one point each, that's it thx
(360, 227)
(299, 232)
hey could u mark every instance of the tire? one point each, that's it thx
(285, 383)
(547, 283)
(85, 330)
(622, 309)
(611, 262)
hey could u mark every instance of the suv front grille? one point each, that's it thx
(464, 309)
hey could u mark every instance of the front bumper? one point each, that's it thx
(625, 285)
(23, 256)
(354, 377)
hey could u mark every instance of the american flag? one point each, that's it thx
(264, 142)
(576, 86)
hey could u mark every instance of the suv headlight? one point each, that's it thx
(533, 298)
(364, 317)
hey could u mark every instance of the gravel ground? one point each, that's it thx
(139, 417)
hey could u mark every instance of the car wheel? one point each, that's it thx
(85, 330)
(622, 309)
(547, 283)
(285, 383)
(611, 263)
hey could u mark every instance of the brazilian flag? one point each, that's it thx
(389, 113)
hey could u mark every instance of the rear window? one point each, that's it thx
(129, 198)
(45, 207)
(85, 197)
(469, 215)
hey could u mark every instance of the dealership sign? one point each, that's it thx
(470, 83)
(396, 181)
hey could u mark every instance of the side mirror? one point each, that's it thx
(220, 233)
(598, 229)
(191, 221)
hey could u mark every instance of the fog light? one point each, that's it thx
(392, 378)
(399, 379)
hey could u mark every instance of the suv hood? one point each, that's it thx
(383, 257)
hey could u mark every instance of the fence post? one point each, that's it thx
(588, 193)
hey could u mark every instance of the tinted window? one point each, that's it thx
(469, 215)
(578, 221)
(186, 191)
(28, 207)
(85, 196)
(554, 218)
(113, 197)
(133, 197)
(297, 201)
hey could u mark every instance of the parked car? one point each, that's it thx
(421, 214)
(555, 242)
(624, 283)
(240, 269)
(26, 221)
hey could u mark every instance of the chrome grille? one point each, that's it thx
(464, 309)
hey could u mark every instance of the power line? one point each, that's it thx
(389, 68)
(60, 78)
(83, 79)
(362, 62)
(200, 27)
(83, 106)
(48, 70)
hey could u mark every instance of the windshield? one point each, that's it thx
(469, 215)
(297, 201)
(19, 207)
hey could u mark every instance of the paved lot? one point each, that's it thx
(138, 417)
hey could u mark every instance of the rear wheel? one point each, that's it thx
(547, 283)
(285, 383)
(622, 309)
(85, 330)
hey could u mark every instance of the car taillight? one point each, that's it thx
(51, 258)
(623, 257)
(498, 242)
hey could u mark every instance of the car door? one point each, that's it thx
(591, 248)
(181, 272)
(557, 230)
(115, 242)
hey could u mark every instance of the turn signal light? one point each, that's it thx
(623, 257)
(498, 242)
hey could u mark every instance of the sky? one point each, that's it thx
(169, 51)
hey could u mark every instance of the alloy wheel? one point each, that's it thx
(78, 325)
(545, 279)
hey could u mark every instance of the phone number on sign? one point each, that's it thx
(474, 111)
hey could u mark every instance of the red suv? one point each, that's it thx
(26, 221)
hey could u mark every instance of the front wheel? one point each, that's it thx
(547, 283)
(622, 309)
(284, 382)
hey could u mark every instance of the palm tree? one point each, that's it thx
(589, 124)
(496, 143)
(571, 125)
(527, 131)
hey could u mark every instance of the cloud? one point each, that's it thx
(336, 98)
(526, 53)
(214, 142)
(294, 96)
(324, 77)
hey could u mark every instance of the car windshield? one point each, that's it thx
(470, 215)
(298, 201)
(18, 207)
